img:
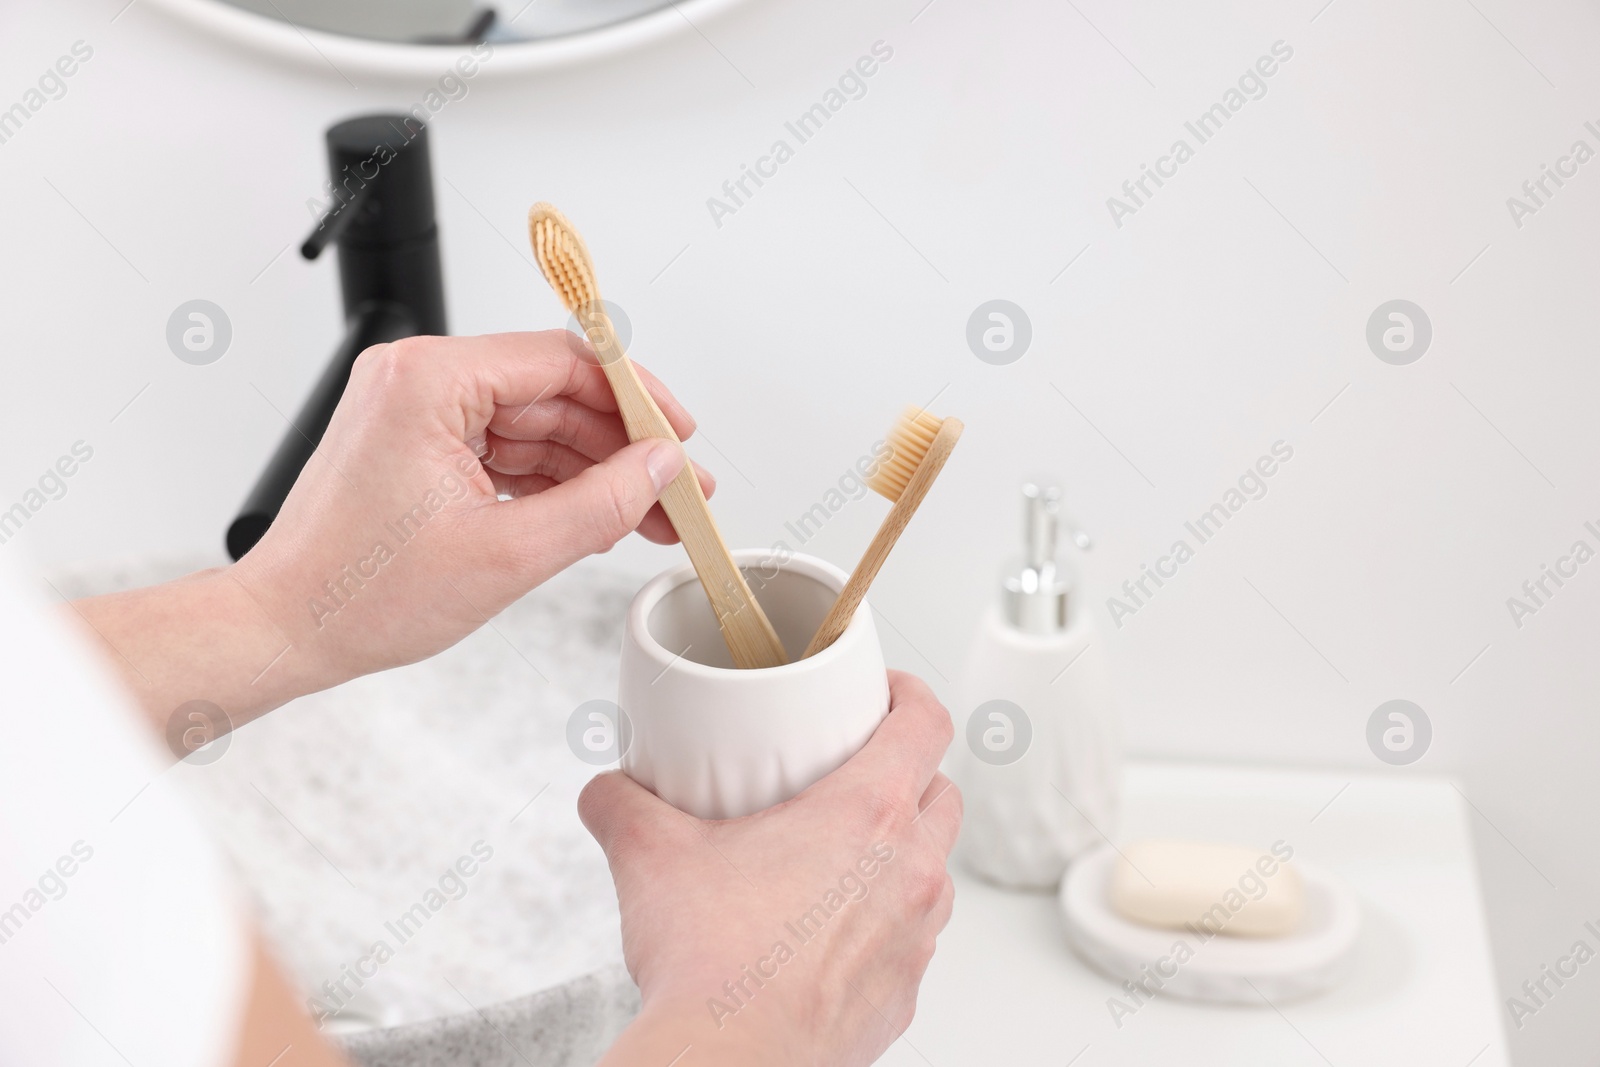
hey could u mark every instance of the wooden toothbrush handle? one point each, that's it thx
(751, 639)
(745, 626)
(894, 524)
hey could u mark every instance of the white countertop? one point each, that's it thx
(393, 775)
(1004, 987)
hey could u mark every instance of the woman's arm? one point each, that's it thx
(274, 1028)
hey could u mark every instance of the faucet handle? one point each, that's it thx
(335, 222)
(382, 183)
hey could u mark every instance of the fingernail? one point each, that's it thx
(664, 462)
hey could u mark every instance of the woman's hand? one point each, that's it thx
(393, 544)
(796, 935)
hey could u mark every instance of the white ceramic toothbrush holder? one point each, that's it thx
(718, 742)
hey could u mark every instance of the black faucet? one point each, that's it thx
(382, 221)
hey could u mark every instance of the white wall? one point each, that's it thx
(1204, 329)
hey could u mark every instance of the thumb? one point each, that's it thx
(600, 506)
(621, 813)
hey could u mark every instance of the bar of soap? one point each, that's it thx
(1208, 888)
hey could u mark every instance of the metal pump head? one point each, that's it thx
(1036, 596)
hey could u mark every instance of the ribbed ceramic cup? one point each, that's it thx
(718, 742)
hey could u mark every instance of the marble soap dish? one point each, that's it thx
(1198, 965)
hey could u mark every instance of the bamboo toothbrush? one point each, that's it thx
(564, 260)
(921, 443)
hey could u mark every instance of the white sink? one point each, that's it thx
(341, 811)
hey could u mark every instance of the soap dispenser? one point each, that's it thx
(1040, 764)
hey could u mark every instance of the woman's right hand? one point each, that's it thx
(801, 933)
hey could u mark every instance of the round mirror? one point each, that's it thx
(450, 21)
(408, 37)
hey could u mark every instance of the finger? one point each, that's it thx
(520, 369)
(596, 434)
(903, 753)
(587, 513)
(549, 458)
(571, 369)
(939, 813)
(533, 467)
(658, 528)
(621, 813)
(707, 480)
(683, 423)
(654, 527)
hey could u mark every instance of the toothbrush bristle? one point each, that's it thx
(909, 441)
(562, 256)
